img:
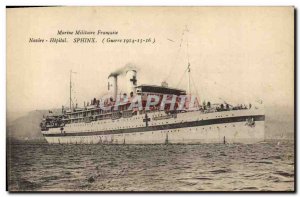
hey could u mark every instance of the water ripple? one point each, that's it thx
(203, 167)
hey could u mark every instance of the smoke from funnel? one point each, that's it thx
(123, 70)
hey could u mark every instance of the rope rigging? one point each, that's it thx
(194, 84)
(177, 54)
(182, 77)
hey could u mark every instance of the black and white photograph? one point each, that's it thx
(150, 99)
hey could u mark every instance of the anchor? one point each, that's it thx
(250, 122)
(167, 139)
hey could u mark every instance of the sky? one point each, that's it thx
(237, 54)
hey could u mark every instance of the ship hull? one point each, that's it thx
(245, 126)
(223, 133)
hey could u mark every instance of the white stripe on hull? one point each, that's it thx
(237, 132)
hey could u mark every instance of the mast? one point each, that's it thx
(189, 78)
(188, 58)
(71, 72)
(188, 69)
(70, 89)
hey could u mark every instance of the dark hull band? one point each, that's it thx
(165, 127)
